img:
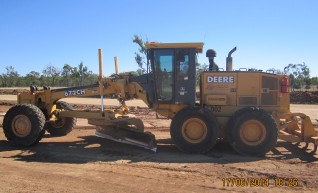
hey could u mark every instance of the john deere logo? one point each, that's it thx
(220, 79)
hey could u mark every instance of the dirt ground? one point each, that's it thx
(82, 162)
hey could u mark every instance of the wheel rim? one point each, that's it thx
(253, 132)
(21, 126)
(194, 130)
(58, 123)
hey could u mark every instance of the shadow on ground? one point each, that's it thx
(93, 149)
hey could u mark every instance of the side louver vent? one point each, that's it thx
(248, 100)
(270, 90)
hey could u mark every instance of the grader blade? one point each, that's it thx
(128, 135)
(123, 129)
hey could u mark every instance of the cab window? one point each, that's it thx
(163, 65)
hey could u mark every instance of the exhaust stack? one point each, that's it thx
(116, 65)
(229, 60)
(100, 79)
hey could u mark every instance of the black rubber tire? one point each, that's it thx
(62, 126)
(200, 114)
(258, 117)
(41, 135)
(31, 114)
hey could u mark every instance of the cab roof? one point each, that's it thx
(197, 45)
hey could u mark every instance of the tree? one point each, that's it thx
(307, 83)
(79, 74)
(50, 76)
(141, 56)
(11, 78)
(82, 73)
(275, 71)
(74, 76)
(91, 78)
(298, 74)
(66, 73)
(52, 73)
(314, 81)
(32, 78)
(2, 80)
(199, 69)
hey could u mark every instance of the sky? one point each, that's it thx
(268, 33)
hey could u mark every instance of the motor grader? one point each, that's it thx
(250, 109)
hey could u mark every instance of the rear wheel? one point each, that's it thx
(61, 126)
(194, 130)
(23, 125)
(252, 131)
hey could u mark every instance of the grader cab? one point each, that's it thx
(249, 109)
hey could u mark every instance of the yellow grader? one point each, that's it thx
(250, 109)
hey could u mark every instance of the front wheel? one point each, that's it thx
(23, 125)
(252, 131)
(61, 126)
(194, 130)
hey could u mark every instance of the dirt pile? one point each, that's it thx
(307, 97)
(10, 91)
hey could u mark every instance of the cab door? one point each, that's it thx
(185, 68)
(174, 75)
(163, 65)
